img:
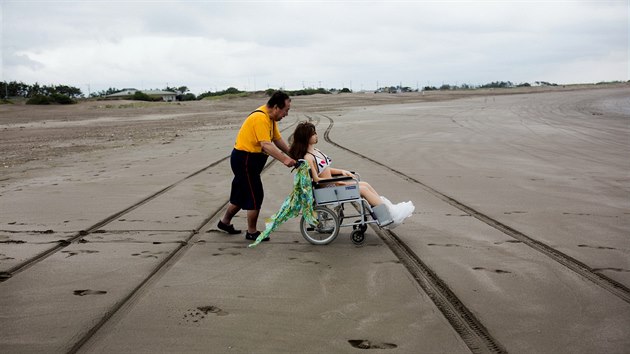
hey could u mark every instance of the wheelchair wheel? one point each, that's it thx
(358, 237)
(360, 227)
(325, 231)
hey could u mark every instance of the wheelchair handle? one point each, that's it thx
(298, 163)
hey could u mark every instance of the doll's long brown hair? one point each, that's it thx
(302, 134)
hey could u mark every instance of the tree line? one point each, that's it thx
(20, 89)
(44, 94)
(236, 92)
(64, 94)
(494, 84)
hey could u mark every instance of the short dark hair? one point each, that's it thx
(278, 99)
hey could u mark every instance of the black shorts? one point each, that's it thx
(247, 189)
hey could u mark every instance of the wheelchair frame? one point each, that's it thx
(326, 193)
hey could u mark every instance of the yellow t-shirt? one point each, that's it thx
(256, 128)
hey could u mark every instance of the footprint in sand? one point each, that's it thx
(235, 247)
(611, 269)
(4, 257)
(499, 271)
(508, 241)
(201, 312)
(225, 254)
(445, 245)
(14, 241)
(89, 292)
(366, 344)
(303, 261)
(212, 309)
(301, 250)
(388, 262)
(74, 253)
(598, 247)
(149, 254)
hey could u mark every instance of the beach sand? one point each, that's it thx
(108, 239)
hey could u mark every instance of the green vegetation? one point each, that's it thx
(230, 92)
(188, 97)
(498, 84)
(491, 85)
(395, 89)
(61, 98)
(52, 98)
(109, 91)
(39, 99)
(182, 94)
(610, 82)
(36, 94)
(139, 96)
(303, 92)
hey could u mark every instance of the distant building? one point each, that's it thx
(166, 96)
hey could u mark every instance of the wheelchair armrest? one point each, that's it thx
(333, 180)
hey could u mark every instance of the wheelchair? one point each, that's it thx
(330, 201)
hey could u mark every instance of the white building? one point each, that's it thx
(166, 96)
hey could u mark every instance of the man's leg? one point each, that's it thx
(252, 220)
(229, 213)
(225, 222)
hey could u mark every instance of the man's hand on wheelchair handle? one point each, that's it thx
(289, 162)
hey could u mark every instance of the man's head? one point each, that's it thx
(279, 105)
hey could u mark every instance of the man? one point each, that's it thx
(258, 138)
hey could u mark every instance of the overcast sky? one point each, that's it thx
(255, 45)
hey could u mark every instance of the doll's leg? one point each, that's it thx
(369, 194)
(368, 186)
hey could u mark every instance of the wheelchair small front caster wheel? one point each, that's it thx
(358, 237)
(358, 226)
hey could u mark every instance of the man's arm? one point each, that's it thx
(282, 145)
(271, 149)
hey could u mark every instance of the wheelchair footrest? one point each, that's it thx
(382, 215)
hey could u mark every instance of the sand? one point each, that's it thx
(108, 240)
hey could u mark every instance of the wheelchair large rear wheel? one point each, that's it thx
(326, 229)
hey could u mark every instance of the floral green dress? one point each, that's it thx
(299, 201)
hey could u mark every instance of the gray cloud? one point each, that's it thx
(11, 59)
